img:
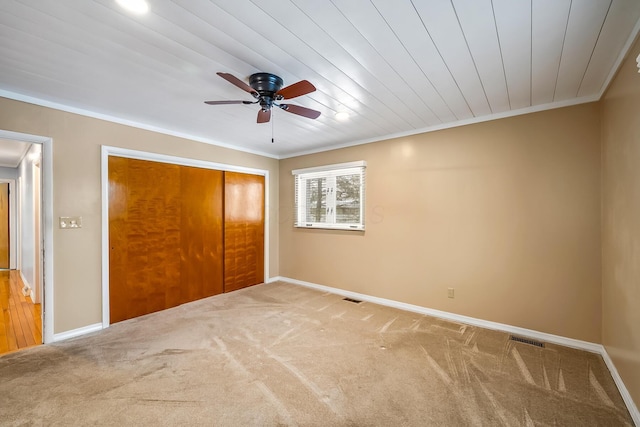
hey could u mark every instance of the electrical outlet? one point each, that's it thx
(70, 222)
(450, 292)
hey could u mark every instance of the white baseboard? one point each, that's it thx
(27, 290)
(77, 332)
(626, 396)
(542, 336)
(26, 284)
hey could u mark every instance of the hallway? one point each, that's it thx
(21, 321)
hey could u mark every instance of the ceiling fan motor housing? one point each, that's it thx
(267, 90)
(266, 84)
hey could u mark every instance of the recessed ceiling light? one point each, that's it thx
(136, 6)
(342, 115)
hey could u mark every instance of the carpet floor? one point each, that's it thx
(281, 354)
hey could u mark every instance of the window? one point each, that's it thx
(330, 196)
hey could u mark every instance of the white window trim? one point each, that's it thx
(358, 164)
(329, 172)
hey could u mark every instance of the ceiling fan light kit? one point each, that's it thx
(267, 90)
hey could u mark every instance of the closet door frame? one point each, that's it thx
(107, 151)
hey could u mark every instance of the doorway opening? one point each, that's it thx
(26, 285)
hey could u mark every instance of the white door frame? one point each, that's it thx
(36, 291)
(47, 224)
(143, 155)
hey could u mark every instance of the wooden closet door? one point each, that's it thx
(201, 226)
(165, 236)
(144, 236)
(243, 230)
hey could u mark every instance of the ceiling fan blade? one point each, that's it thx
(237, 82)
(264, 116)
(227, 102)
(303, 87)
(301, 111)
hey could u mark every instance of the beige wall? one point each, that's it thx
(506, 212)
(76, 191)
(621, 223)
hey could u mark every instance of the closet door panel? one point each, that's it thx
(243, 230)
(144, 236)
(202, 231)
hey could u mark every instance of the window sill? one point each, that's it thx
(345, 227)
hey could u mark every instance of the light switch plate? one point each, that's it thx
(70, 222)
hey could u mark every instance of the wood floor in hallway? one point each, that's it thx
(21, 321)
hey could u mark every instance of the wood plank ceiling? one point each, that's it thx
(396, 66)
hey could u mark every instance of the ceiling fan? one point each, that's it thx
(267, 90)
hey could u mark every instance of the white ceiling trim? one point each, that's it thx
(443, 126)
(621, 57)
(473, 120)
(12, 152)
(113, 119)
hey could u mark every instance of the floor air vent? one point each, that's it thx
(355, 301)
(527, 341)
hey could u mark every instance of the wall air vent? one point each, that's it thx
(355, 301)
(527, 341)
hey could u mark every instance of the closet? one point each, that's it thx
(179, 234)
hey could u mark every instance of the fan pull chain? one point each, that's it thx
(273, 119)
